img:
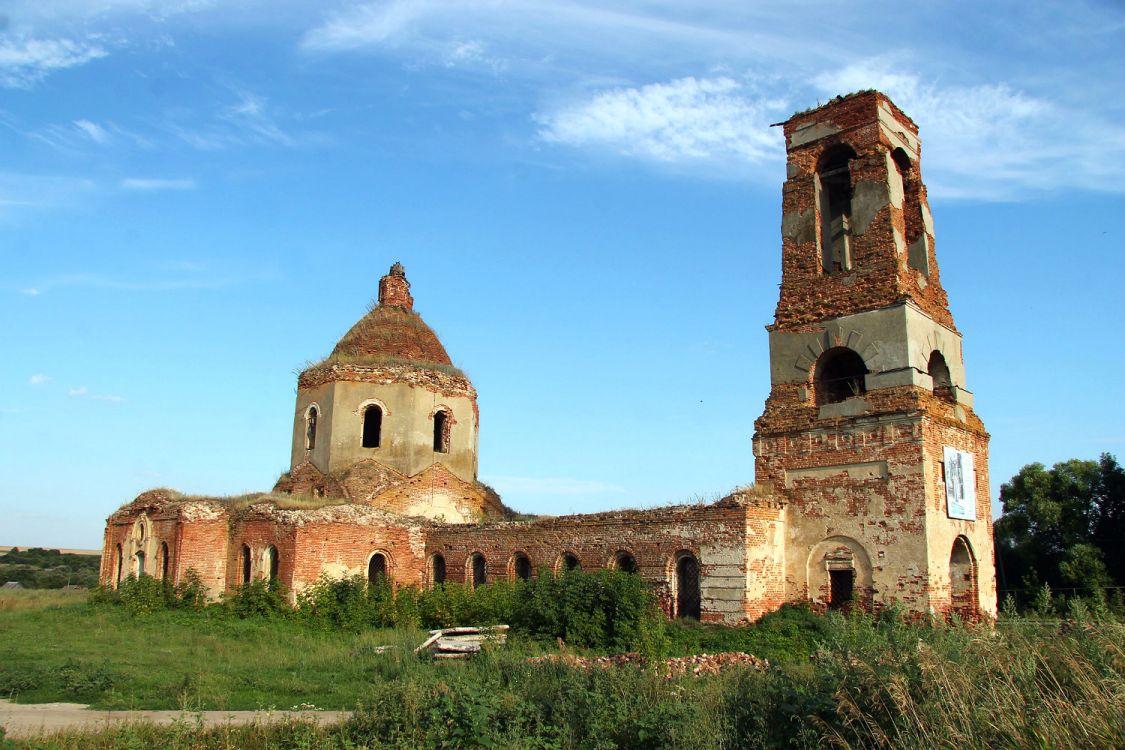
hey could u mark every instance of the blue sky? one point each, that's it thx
(198, 197)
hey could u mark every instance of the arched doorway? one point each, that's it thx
(246, 564)
(478, 570)
(437, 570)
(568, 562)
(377, 568)
(625, 562)
(521, 566)
(963, 579)
(688, 594)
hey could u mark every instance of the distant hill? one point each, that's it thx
(39, 568)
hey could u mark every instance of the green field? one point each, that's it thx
(834, 681)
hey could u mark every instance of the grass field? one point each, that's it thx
(834, 681)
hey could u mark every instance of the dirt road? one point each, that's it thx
(26, 720)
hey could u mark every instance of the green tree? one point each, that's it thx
(1063, 526)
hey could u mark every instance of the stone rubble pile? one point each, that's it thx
(697, 664)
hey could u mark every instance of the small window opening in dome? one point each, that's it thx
(372, 426)
(310, 428)
(840, 376)
(442, 425)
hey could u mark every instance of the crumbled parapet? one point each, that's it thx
(461, 642)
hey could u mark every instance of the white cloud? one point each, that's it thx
(553, 486)
(25, 61)
(37, 379)
(992, 141)
(151, 184)
(95, 132)
(84, 393)
(716, 120)
(30, 291)
(249, 121)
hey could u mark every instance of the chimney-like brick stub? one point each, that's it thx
(394, 289)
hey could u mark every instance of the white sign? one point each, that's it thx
(960, 485)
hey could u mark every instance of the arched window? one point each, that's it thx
(625, 562)
(164, 561)
(688, 595)
(377, 568)
(311, 417)
(834, 197)
(437, 570)
(839, 375)
(140, 558)
(442, 425)
(568, 562)
(939, 371)
(245, 561)
(372, 426)
(118, 564)
(521, 566)
(478, 570)
(963, 579)
(272, 561)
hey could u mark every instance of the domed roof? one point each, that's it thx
(392, 333)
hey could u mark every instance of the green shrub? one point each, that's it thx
(605, 609)
(259, 598)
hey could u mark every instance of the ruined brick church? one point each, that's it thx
(871, 467)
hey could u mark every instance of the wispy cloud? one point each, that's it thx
(84, 393)
(24, 191)
(251, 120)
(154, 183)
(37, 379)
(717, 120)
(25, 61)
(95, 132)
(554, 486)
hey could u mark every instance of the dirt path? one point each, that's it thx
(26, 720)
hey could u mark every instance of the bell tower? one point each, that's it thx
(869, 431)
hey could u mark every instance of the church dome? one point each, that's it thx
(392, 333)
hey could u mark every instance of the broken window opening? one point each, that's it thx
(841, 588)
(570, 562)
(377, 568)
(939, 371)
(245, 564)
(688, 594)
(625, 562)
(522, 567)
(140, 571)
(442, 425)
(437, 570)
(479, 570)
(372, 426)
(118, 564)
(272, 562)
(834, 196)
(840, 376)
(310, 427)
(164, 560)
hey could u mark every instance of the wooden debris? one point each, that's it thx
(460, 642)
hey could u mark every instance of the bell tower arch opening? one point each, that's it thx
(834, 202)
(840, 375)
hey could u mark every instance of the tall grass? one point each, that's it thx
(22, 600)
